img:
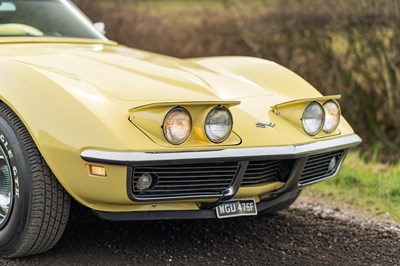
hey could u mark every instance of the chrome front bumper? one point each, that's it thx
(283, 152)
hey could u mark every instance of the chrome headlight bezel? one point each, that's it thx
(328, 116)
(208, 130)
(168, 135)
(321, 117)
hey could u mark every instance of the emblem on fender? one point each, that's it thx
(264, 125)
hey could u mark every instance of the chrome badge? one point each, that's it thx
(264, 125)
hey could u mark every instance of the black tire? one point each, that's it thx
(40, 206)
(281, 206)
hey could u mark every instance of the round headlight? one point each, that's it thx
(332, 116)
(313, 118)
(177, 126)
(218, 125)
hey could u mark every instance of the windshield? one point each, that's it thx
(44, 18)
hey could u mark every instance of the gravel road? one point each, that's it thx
(307, 234)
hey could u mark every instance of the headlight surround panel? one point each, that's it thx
(300, 113)
(157, 122)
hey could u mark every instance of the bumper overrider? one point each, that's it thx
(214, 177)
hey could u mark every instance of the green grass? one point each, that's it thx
(367, 186)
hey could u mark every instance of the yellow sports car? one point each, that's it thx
(135, 135)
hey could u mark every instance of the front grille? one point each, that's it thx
(197, 180)
(259, 172)
(210, 180)
(317, 166)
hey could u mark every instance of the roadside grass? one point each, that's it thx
(368, 186)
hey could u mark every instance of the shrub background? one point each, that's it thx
(347, 47)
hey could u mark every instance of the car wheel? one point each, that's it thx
(281, 206)
(34, 207)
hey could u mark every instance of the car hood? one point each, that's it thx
(130, 74)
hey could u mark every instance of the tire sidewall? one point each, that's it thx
(11, 234)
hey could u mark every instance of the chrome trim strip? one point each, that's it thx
(237, 181)
(294, 177)
(282, 152)
(174, 198)
(233, 188)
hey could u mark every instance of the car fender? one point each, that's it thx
(62, 123)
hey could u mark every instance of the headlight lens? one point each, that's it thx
(177, 126)
(332, 116)
(218, 125)
(313, 118)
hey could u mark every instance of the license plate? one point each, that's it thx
(234, 208)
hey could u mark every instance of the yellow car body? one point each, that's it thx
(94, 103)
(76, 97)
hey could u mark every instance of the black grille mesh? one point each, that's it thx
(185, 180)
(317, 166)
(259, 172)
